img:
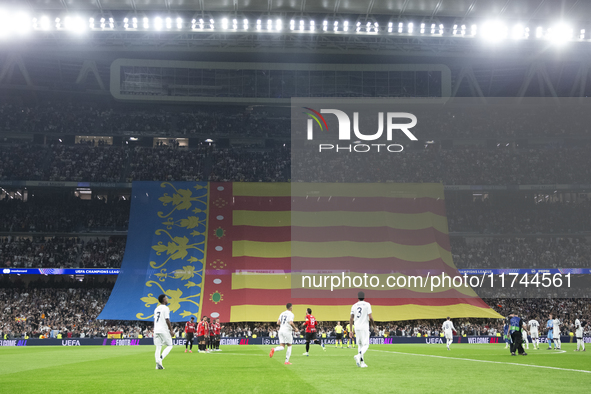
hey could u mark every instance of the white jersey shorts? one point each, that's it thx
(449, 334)
(285, 337)
(534, 334)
(362, 337)
(162, 339)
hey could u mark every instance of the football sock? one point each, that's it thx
(307, 346)
(288, 354)
(166, 351)
(279, 348)
(157, 355)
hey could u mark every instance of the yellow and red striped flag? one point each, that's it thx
(263, 237)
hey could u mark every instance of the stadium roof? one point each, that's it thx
(574, 10)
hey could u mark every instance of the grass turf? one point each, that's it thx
(248, 369)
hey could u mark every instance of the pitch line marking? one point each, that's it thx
(485, 361)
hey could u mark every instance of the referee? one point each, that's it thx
(339, 332)
(515, 327)
(190, 331)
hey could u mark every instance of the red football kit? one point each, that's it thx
(190, 327)
(201, 328)
(311, 323)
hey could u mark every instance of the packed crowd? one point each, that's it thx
(166, 165)
(251, 166)
(63, 214)
(542, 253)
(453, 120)
(462, 166)
(103, 119)
(56, 252)
(514, 216)
(70, 308)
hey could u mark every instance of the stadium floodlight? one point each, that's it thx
(312, 25)
(560, 33)
(463, 30)
(211, 24)
(146, 23)
(346, 26)
(526, 34)
(245, 24)
(494, 31)
(58, 23)
(336, 26)
(134, 23)
(432, 28)
(270, 25)
(259, 24)
(193, 23)
(44, 23)
(390, 27)
(455, 30)
(91, 23)
(125, 24)
(539, 32)
(201, 24)
(278, 25)
(358, 27)
(582, 34)
(235, 24)
(376, 26)
(168, 23)
(422, 28)
(410, 28)
(158, 23)
(473, 30)
(302, 26)
(518, 32)
(111, 23)
(224, 23)
(400, 27)
(325, 25)
(35, 24)
(292, 25)
(441, 29)
(179, 23)
(368, 27)
(102, 23)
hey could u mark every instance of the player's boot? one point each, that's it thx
(305, 354)
(523, 354)
(356, 357)
(287, 363)
(363, 365)
(185, 350)
(323, 347)
(272, 352)
(190, 351)
(513, 353)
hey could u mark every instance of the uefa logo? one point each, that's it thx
(6, 271)
(266, 341)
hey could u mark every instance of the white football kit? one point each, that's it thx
(285, 330)
(448, 328)
(533, 328)
(161, 330)
(578, 329)
(361, 311)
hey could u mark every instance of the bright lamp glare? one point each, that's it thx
(518, 32)
(146, 23)
(179, 23)
(158, 23)
(494, 31)
(224, 23)
(560, 33)
(44, 23)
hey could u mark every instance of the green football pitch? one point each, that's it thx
(248, 369)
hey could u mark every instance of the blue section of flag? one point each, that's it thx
(165, 252)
